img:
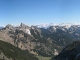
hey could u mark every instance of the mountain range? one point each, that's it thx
(40, 40)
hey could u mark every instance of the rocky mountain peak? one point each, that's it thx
(9, 26)
(22, 25)
(52, 29)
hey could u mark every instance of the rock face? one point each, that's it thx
(71, 52)
(40, 41)
(3, 57)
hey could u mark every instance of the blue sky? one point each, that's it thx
(34, 12)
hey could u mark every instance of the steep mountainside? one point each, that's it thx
(70, 52)
(10, 52)
(40, 41)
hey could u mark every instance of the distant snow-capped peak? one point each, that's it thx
(68, 25)
(45, 25)
(62, 26)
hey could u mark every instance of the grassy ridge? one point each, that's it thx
(15, 53)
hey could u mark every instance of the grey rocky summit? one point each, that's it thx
(9, 26)
(22, 25)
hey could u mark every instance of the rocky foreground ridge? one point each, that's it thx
(70, 52)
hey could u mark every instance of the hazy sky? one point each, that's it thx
(34, 12)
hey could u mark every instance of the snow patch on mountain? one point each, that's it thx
(67, 26)
(55, 52)
(45, 25)
(28, 31)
